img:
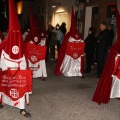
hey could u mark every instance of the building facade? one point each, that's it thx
(87, 12)
(97, 12)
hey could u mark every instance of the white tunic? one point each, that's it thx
(5, 63)
(40, 66)
(40, 70)
(70, 66)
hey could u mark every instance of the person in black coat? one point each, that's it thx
(90, 49)
(102, 41)
(111, 34)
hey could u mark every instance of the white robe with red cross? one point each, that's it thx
(36, 59)
(13, 89)
(71, 65)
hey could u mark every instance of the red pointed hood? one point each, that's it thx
(14, 41)
(73, 29)
(34, 32)
(32, 19)
(40, 25)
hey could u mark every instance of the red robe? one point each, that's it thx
(102, 92)
(61, 55)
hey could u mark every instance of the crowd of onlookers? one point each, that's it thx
(97, 47)
(55, 37)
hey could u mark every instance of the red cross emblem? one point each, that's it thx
(75, 55)
(14, 93)
(15, 49)
(33, 58)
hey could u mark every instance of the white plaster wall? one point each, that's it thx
(66, 5)
(88, 17)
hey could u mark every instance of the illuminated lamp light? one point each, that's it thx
(19, 7)
(53, 6)
(60, 10)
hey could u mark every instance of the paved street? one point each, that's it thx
(64, 98)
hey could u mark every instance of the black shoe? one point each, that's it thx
(95, 73)
(25, 113)
(98, 76)
(82, 76)
(43, 79)
(87, 71)
(1, 105)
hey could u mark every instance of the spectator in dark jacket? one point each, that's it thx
(102, 47)
(63, 28)
(49, 35)
(111, 34)
(90, 49)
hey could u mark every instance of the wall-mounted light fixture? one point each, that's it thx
(55, 5)
(19, 7)
(60, 10)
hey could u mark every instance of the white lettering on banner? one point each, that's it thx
(73, 48)
(13, 85)
(15, 49)
(35, 51)
(6, 77)
(14, 93)
(22, 77)
(14, 81)
(14, 77)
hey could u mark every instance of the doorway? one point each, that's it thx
(91, 18)
(60, 17)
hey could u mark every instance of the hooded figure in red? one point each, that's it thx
(14, 39)
(40, 25)
(36, 48)
(34, 31)
(42, 33)
(72, 38)
(103, 90)
(12, 58)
